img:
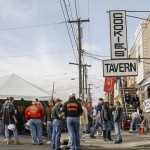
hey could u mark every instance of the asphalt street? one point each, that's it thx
(132, 141)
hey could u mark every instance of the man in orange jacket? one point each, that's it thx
(35, 115)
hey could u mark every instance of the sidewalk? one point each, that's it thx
(130, 140)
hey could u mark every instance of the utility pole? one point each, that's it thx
(85, 77)
(89, 92)
(79, 37)
(83, 81)
(86, 80)
(53, 90)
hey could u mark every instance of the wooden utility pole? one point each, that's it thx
(84, 66)
(83, 82)
(79, 37)
(53, 90)
(85, 79)
(89, 92)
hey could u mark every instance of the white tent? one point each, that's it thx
(13, 85)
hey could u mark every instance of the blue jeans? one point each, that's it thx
(56, 133)
(7, 134)
(106, 126)
(135, 119)
(112, 125)
(118, 130)
(73, 124)
(97, 124)
(49, 130)
(36, 130)
(89, 125)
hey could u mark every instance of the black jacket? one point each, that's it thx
(72, 108)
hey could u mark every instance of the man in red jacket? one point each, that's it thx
(35, 114)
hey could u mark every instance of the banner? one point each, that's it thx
(109, 84)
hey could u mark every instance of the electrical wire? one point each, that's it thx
(38, 54)
(51, 75)
(71, 14)
(94, 54)
(76, 9)
(70, 23)
(141, 19)
(137, 17)
(68, 30)
(94, 57)
(88, 9)
(31, 26)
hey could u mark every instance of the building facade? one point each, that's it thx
(142, 42)
(131, 80)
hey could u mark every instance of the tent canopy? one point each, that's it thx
(13, 85)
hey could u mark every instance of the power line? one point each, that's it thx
(94, 57)
(31, 26)
(141, 19)
(70, 24)
(76, 9)
(87, 53)
(89, 34)
(66, 10)
(88, 8)
(38, 54)
(68, 30)
(51, 75)
(137, 17)
(71, 14)
(142, 11)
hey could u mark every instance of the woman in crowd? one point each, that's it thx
(106, 122)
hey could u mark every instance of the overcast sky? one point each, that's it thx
(41, 54)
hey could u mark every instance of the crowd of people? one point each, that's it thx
(76, 115)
